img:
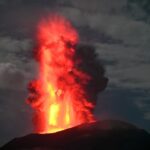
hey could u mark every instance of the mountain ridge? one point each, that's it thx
(106, 134)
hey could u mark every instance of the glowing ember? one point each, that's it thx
(58, 95)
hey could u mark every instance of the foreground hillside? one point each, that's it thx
(104, 135)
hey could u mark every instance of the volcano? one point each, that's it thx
(63, 97)
(100, 135)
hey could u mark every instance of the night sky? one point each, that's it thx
(120, 32)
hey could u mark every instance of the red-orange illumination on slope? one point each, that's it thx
(58, 95)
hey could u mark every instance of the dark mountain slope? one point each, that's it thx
(104, 135)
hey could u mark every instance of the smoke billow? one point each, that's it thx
(90, 64)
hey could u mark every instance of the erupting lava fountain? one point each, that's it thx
(58, 94)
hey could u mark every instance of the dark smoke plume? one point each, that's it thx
(91, 65)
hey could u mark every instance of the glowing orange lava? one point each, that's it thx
(58, 95)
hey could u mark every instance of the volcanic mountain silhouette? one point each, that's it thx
(100, 135)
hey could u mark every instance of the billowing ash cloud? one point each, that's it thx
(91, 65)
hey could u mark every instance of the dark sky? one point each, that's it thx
(120, 31)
